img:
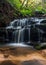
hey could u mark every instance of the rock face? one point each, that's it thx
(6, 12)
(7, 63)
(34, 62)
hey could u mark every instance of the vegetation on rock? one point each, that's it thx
(11, 9)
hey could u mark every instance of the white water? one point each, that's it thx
(21, 26)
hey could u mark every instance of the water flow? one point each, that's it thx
(22, 25)
(29, 41)
(19, 36)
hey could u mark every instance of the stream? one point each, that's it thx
(30, 31)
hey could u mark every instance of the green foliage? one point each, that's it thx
(25, 12)
(29, 10)
(15, 3)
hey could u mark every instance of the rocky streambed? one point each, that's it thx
(23, 56)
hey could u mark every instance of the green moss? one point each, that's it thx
(38, 47)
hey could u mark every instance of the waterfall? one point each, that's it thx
(18, 36)
(26, 30)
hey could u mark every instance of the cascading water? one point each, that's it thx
(26, 31)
